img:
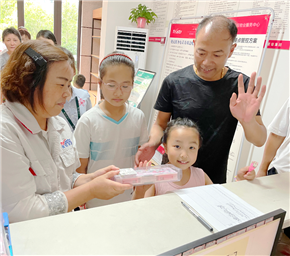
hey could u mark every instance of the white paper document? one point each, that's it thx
(218, 206)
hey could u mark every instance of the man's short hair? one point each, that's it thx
(80, 80)
(219, 21)
(9, 31)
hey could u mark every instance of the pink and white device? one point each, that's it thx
(149, 175)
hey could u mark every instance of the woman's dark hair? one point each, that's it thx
(180, 122)
(219, 21)
(21, 75)
(46, 34)
(116, 58)
(9, 31)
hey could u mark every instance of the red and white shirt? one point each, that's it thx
(37, 166)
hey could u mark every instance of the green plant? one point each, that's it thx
(142, 12)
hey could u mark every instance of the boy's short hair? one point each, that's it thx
(9, 31)
(46, 34)
(79, 80)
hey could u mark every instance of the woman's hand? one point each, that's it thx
(83, 179)
(102, 187)
(103, 171)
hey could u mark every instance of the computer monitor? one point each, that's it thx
(142, 82)
(258, 236)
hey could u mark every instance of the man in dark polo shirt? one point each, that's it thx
(212, 95)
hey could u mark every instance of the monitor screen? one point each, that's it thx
(258, 236)
(142, 81)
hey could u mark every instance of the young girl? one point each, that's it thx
(112, 131)
(181, 142)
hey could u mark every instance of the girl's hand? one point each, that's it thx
(145, 153)
(144, 164)
(139, 191)
(244, 174)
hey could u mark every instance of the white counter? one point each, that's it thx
(142, 227)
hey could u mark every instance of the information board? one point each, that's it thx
(167, 10)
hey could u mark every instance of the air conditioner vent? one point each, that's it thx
(131, 41)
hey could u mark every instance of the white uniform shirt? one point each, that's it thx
(281, 126)
(70, 106)
(37, 166)
(105, 142)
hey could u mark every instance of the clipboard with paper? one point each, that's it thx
(218, 206)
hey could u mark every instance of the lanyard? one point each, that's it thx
(67, 117)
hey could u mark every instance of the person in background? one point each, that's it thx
(77, 104)
(79, 81)
(277, 148)
(46, 35)
(25, 35)
(111, 131)
(11, 38)
(38, 154)
(277, 153)
(182, 142)
(214, 96)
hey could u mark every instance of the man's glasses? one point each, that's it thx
(113, 86)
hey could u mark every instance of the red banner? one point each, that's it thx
(278, 44)
(249, 25)
(246, 25)
(157, 39)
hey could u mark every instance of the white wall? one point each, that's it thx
(114, 14)
(275, 71)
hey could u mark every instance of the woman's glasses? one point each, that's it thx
(113, 86)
